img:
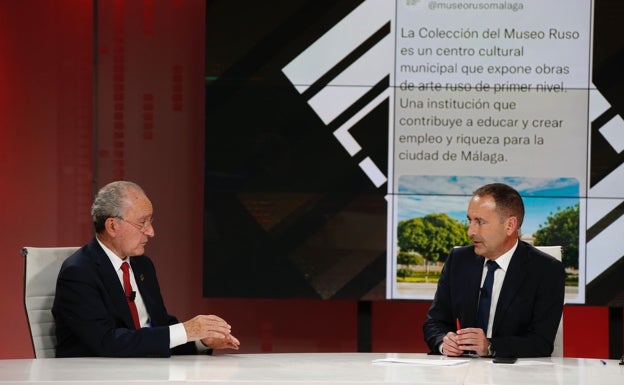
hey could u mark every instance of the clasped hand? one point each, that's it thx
(212, 330)
(455, 344)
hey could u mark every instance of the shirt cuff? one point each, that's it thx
(177, 335)
(201, 348)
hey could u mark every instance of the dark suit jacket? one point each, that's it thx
(92, 316)
(529, 307)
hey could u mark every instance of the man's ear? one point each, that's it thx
(512, 225)
(111, 226)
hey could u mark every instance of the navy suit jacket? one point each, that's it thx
(529, 307)
(93, 318)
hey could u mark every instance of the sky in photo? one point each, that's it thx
(422, 195)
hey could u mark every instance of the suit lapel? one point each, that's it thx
(110, 280)
(472, 303)
(515, 275)
(140, 276)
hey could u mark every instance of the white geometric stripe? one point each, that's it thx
(597, 104)
(373, 172)
(613, 132)
(342, 133)
(353, 82)
(337, 43)
(603, 251)
(364, 73)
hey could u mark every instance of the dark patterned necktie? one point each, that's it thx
(485, 297)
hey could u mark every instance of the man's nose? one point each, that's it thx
(471, 229)
(150, 232)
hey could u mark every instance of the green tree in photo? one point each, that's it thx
(562, 229)
(432, 236)
(405, 258)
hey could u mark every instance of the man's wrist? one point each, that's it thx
(202, 347)
(490, 350)
(177, 335)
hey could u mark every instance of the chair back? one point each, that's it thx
(555, 251)
(42, 265)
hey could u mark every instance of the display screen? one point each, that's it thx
(336, 128)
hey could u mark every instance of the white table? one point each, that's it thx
(308, 368)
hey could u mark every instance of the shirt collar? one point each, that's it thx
(114, 258)
(504, 260)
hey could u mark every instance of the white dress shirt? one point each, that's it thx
(177, 333)
(499, 277)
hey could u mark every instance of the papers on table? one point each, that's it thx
(421, 361)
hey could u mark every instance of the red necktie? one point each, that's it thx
(130, 294)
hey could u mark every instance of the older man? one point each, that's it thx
(108, 301)
(500, 296)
